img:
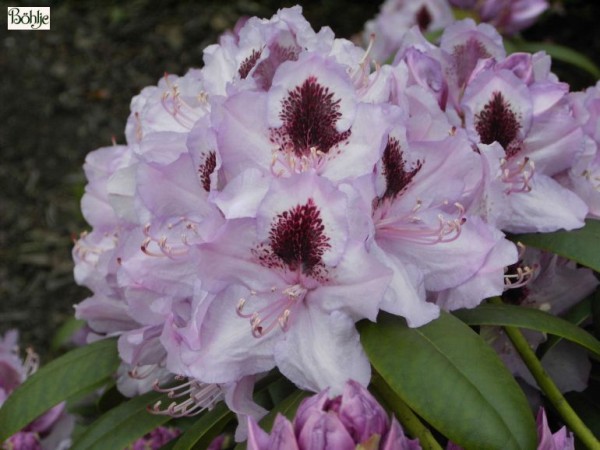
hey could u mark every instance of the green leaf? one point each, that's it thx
(205, 429)
(68, 376)
(579, 245)
(449, 376)
(577, 315)
(122, 425)
(559, 52)
(533, 319)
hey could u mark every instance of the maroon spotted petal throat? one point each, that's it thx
(297, 241)
(309, 113)
(497, 122)
(397, 175)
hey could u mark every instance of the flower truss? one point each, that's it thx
(294, 186)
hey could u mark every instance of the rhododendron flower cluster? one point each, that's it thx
(265, 203)
(52, 430)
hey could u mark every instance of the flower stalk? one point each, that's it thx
(549, 388)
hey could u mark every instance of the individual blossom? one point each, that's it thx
(396, 17)
(508, 16)
(170, 107)
(551, 284)
(584, 175)
(278, 287)
(561, 440)
(421, 225)
(517, 116)
(52, 430)
(249, 59)
(351, 420)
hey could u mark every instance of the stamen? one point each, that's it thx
(184, 113)
(518, 178)
(200, 396)
(522, 277)
(163, 243)
(413, 228)
(593, 180)
(31, 363)
(290, 163)
(368, 50)
(139, 134)
(142, 372)
(83, 248)
(276, 313)
(361, 74)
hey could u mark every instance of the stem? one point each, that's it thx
(549, 388)
(405, 415)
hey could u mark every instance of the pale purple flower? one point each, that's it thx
(50, 431)
(518, 118)
(422, 229)
(351, 419)
(249, 60)
(297, 277)
(584, 175)
(507, 16)
(561, 440)
(396, 17)
(173, 106)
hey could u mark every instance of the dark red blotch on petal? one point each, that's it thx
(249, 63)
(297, 238)
(466, 57)
(265, 71)
(310, 114)
(424, 18)
(206, 169)
(497, 122)
(397, 176)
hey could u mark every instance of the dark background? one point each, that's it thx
(66, 92)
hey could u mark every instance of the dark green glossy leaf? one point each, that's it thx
(205, 429)
(122, 425)
(533, 319)
(577, 315)
(66, 377)
(559, 52)
(449, 376)
(579, 245)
